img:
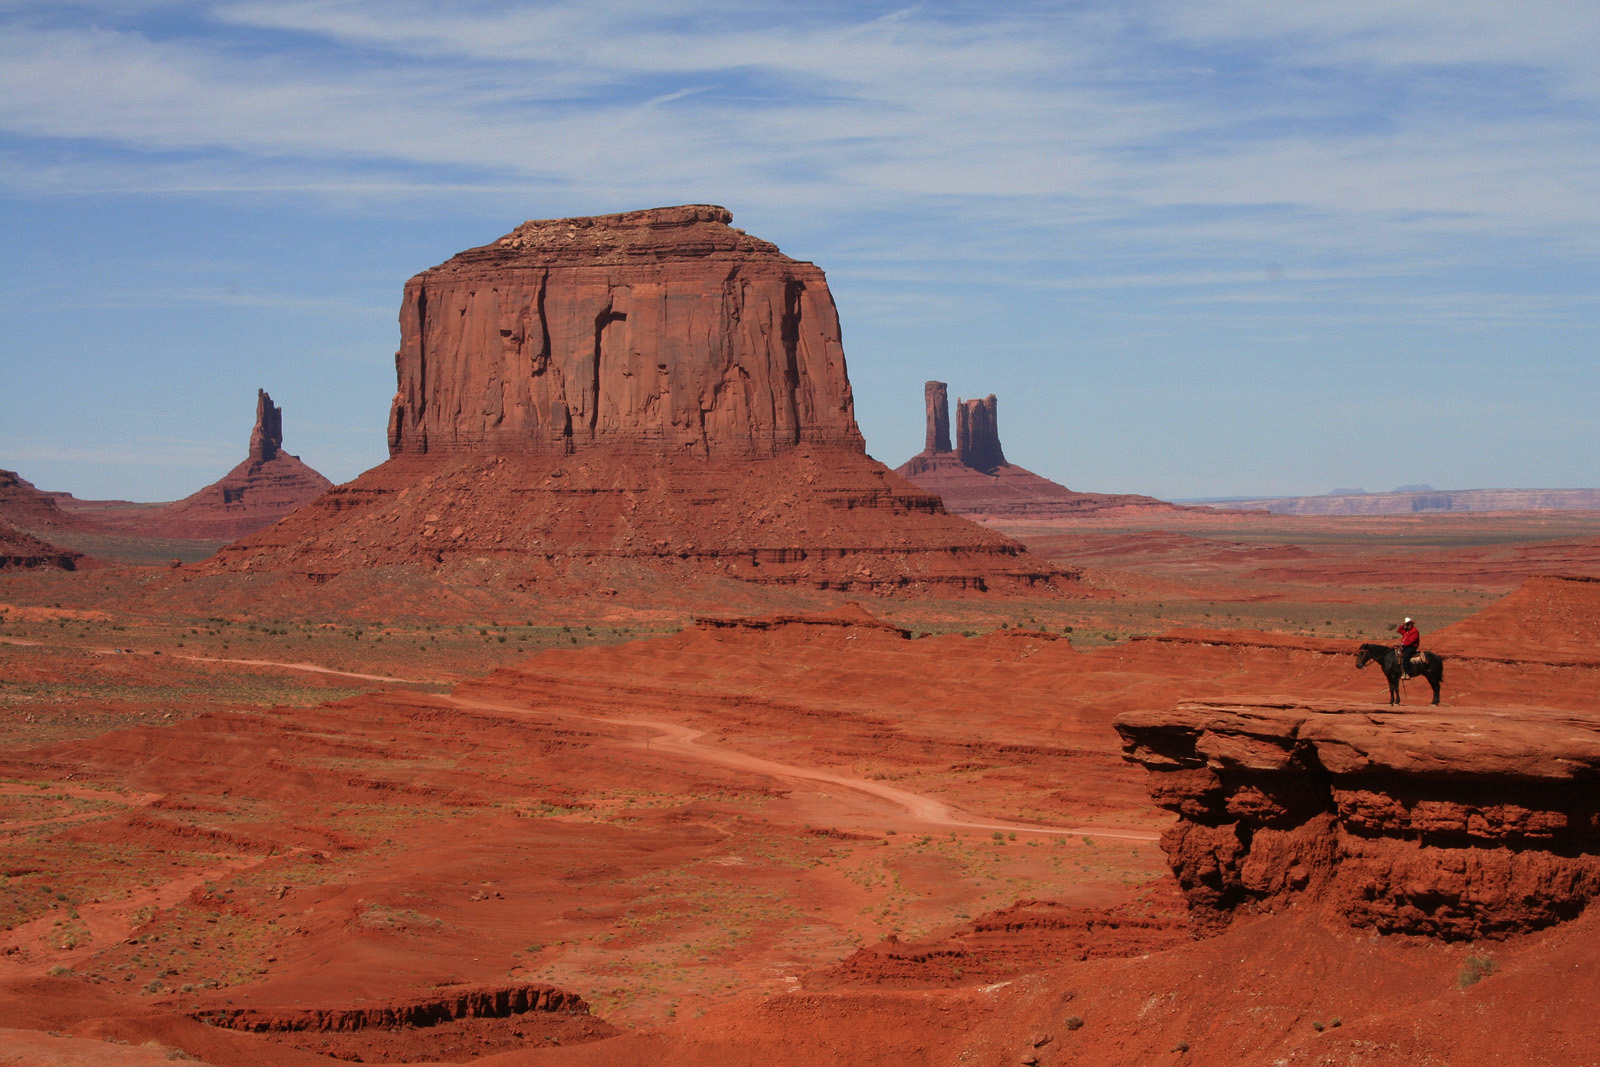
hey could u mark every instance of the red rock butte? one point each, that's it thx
(653, 387)
(659, 330)
(973, 478)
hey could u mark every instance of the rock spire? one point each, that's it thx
(975, 479)
(978, 435)
(267, 436)
(936, 397)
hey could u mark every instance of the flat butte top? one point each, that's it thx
(654, 235)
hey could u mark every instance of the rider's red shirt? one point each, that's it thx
(1410, 636)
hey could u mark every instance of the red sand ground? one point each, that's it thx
(784, 844)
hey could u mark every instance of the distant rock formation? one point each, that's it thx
(23, 551)
(660, 331)
(974, 478)
(585, 397)
(33, 510)
(936, 395)
(267, 485)
(1409, 501)
(978, 435)
(266, 439)
(1473, 823)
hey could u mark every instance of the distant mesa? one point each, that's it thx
(586, 396)
(1418, 499)
(267, 485)
(974, 478)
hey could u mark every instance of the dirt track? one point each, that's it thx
(923, 810)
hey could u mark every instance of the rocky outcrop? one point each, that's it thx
(659, 331)
(23, 551)
(586, 397)
(1474, 823)
(28, 508)
(486, 1003)
(267, 485)
(974, 478)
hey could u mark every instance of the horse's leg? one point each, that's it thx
(1434, 678)
(1394, 685)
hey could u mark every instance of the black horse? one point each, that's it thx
(1387, 658)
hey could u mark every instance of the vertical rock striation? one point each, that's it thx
(978, 435)
(936, 397)
(267, 436)
(664, 330)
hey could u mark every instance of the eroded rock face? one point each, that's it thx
(974, 478)
(267, 436)
(1475, 823)
(664, 330)
(23, 551)
(936, 398)
(978, 434)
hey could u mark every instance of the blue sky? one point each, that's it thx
(1196, 248)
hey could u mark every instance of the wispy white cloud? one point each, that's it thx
(1272, 168)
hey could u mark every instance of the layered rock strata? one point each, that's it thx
(654, 388)
(1474, 823)
(973, 478)
(658, 331)
(23, 551)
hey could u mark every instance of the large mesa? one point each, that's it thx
(583, 397)
(659, 330)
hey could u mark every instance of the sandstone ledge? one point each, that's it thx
(1477, 823)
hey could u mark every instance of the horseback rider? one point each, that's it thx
(1410, 645)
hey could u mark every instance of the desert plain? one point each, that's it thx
(631, 713)
(804, 827)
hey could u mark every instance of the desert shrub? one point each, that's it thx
(1476, 968)
(1073, 1022)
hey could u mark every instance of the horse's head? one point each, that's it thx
(1363, 657)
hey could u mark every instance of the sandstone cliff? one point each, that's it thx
(656, 331)
(1477, 822)
(973, 478)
